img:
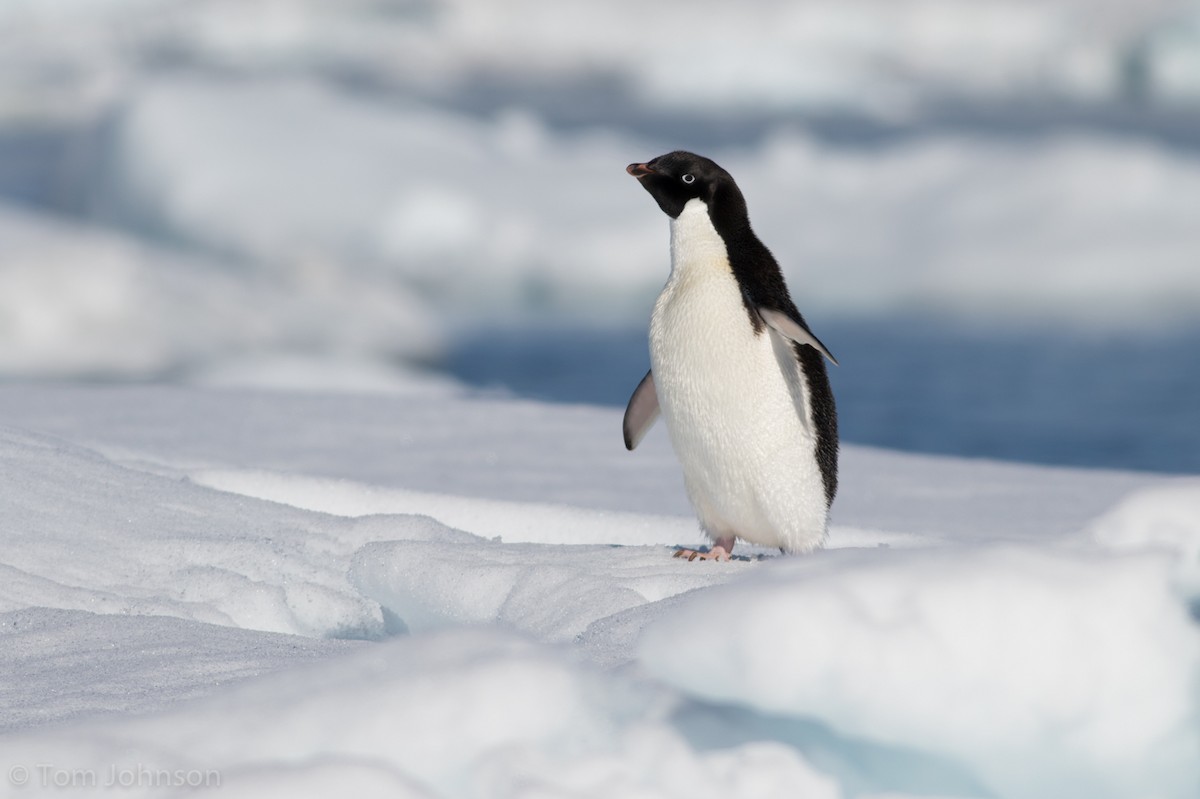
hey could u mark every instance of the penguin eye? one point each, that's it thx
(688, 178)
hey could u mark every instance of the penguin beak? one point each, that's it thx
(639, 171)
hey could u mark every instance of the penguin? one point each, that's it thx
(735, 372)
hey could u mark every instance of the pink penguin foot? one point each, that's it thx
(721, 550)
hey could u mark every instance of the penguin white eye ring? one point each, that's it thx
(735, 372)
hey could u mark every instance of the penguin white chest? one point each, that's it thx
(734, 400)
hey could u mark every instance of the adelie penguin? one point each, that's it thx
(735, 371)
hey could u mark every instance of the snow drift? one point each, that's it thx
(177, 598)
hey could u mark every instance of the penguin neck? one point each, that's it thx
(696, 246)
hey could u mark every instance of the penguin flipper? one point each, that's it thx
(789, 328)
(641, 411)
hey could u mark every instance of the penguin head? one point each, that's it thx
(677, 177)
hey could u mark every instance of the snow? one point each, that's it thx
(180, 587)
(353, 182)
(997, 655)
(83, 300)
(310, 566)
(1165, 518)
(176, 558)
(873, 53)
(466, 210)
(472, 213)
(134, 664)
(511, 521)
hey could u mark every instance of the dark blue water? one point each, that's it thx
(1098, 400)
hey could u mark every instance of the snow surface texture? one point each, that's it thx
(182, 568)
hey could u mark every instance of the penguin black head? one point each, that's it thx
(679, 176)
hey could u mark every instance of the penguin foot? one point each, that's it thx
(721, 550)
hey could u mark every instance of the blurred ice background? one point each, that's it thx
(989, 209)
